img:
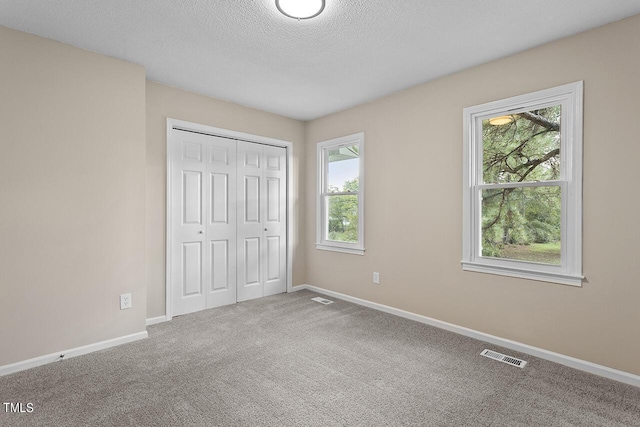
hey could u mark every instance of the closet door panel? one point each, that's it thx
(189, 273)
(275, 220)
(250, 230)
(221, 221)
(220, 280)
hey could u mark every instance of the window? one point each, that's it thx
(341, 194)
(522, 205)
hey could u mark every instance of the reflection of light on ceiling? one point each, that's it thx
(501, 120)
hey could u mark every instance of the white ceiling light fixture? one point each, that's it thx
(300, 9)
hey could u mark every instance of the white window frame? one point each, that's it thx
(570, 96)
(322, 214)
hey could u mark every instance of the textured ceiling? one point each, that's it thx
(245, 51)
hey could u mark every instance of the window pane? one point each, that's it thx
(344, 169)
(522, 224)
(342, 218)
(522, 147)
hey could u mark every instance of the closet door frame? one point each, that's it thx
(214, 131)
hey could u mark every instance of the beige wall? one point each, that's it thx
(72, 193)
(167, 102)
(414, 200)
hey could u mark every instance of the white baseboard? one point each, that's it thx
(156, 320)
(583, 365)
(67, 354)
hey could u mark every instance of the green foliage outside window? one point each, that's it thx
(343, 213)
(522, 223)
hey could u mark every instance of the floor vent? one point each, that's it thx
(322, 300)
(504, 358)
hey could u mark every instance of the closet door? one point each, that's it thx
(261, 226)
(275, 220)
(221, 222)
(228, 221)
(189, 274)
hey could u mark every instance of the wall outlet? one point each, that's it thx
(125, 301)
(376, 278)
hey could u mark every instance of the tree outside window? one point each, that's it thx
(522, 223)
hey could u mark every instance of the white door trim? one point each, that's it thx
(214, 131)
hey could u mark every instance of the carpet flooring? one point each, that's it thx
(288, 361)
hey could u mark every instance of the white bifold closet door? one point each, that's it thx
(262, 220)
(228, 221)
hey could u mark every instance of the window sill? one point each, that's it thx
(353, 251)
(522, 273)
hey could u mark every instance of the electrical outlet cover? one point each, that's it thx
(125, 301)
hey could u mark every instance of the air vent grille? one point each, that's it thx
(503, 358)
(322, 300)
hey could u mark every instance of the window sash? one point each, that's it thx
(522, 264)
(565, 129)
(325, 163)
(520, 185)
(326, 237)
(344, 193)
